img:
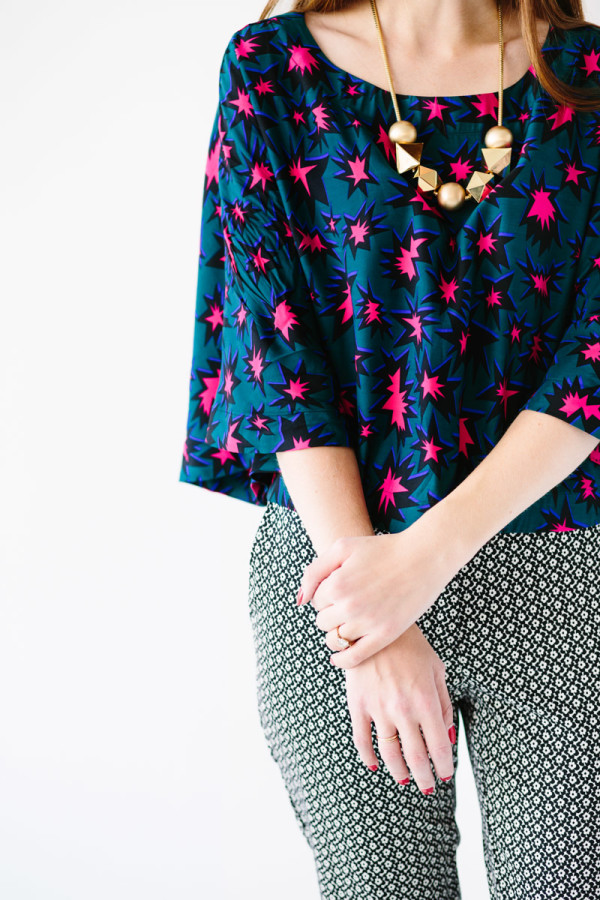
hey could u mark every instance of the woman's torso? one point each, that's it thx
(439, 324)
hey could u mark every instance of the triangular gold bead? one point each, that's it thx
(428, 179)
(477, 184)
(496, 158)
(408, 156)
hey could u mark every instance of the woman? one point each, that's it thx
(397, 354)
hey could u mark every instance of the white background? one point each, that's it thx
(132, 763)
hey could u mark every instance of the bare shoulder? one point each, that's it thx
(343, 38)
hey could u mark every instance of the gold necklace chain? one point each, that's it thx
(498, 141)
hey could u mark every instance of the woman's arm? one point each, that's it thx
(325, 487)
(378, 589)
(536, 453)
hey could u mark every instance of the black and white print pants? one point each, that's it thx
(518, 628)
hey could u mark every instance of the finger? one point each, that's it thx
(391, 751)
(331, 638)
(446, 702)
(362, 649)
(415, 753)
(437, 739)
(317, 570)
(330, 617)
(327, 594)
(362, 737)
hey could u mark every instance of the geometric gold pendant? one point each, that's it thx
(478, 182)
(408, 156)
(496, 158)
(428, 179)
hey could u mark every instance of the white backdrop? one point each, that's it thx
(132, 763)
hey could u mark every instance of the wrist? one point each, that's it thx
(454, 530)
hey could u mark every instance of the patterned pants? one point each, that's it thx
(518, 628)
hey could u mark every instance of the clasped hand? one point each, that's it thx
(374, 587)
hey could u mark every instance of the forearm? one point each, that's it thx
(326, 490)
(535, 454)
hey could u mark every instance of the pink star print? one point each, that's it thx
(284, 318)
(302, 59)
(431, 449)
(405, 263)
(542, 207)
(391, 485)
(396, 402)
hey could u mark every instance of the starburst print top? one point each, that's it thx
(338, 304)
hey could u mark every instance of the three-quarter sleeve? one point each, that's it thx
(261, 378)
(570, 388)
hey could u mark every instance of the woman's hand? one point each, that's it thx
(401, 688)
(374, 587)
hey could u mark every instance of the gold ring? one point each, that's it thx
(342, 641)
(394, 737)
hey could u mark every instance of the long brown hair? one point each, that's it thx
(565, 14)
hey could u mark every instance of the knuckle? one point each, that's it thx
(441, 749)
(340, 585)
(399, 710)
(345, 593)
(341, 543)
(391, 754)
(418, 759)
(399, 705)
(424, 700)
(426, 697)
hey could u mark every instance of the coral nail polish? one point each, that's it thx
(373, 768)
(446, 779)
(452, 734)
(428, 791)
(404, 781)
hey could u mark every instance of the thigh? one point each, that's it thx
(529, 647)
(371, 838)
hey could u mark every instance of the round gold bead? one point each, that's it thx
(402, 132)
(498, 136)
(451, 195)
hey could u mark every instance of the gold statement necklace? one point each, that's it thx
(496, 154)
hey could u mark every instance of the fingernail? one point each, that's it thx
(428, 791)
(403, 781)
(452, 734)
(373, 768)
(446, 779)
(299, 598)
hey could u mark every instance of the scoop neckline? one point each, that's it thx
(457, 98)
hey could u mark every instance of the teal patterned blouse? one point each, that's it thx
(338, 304)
